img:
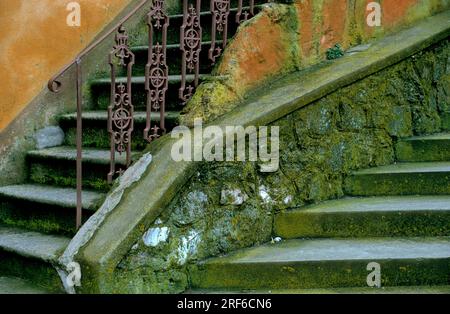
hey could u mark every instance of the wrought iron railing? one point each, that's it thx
(120, 110)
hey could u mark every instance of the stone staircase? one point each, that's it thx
(396, 215)
(37, 218)
(405, 232)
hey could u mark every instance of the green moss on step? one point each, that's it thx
(94, 177)
(298, 224)
(433, 183)
(319, 274)
(39, 273)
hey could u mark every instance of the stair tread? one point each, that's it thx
(408, 167)
(91, 155)
(13, 285)
(51, 195)
(380, 204)
(176, 78)
(433, 137)
(300, 250)
(102, 115)
(32, 244)
(350, 290)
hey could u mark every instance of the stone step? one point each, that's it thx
(95, 132)
(44, 208)
(14, 285)
(174, 58)
(328, 263)
(354, 290)
(57, 166)
(368, 217)
(101, 89)
(31, 255)
(419, 178)
(424, 148)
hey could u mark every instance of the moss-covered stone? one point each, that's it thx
(39, 273)
(326, 264)
(413, 216)
(427, 148)
(320, 145)
(64, 175)
(402, 179)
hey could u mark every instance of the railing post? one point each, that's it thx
(79, 161)
(120, 110)
(191, 46)
(156, 70)
(220, 10)
(245, 13)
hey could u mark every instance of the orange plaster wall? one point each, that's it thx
(324, 23)
(395, 11)
(36, 42)
(260, 52)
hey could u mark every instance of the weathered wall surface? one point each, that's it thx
(285, 37)
(227, 206)
(36, 42)
(34, 48)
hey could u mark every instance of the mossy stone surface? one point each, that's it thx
(327, 264)
(367, 217)
(425, 148)
(42, 275)
(401, 179)
(321, 144)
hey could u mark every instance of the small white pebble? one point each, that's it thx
(276, 240)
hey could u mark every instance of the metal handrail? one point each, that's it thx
(120, 111)
(54, 84)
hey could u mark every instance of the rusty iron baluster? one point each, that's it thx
(220, 10)
(55, 85)
(156, 70)
(79, 163)
(243, 15)
(191, 46)
(120, 111)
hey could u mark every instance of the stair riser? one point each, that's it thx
(62, 173)
(430, 183)
(95, 134)
(101, 96)
(325, 274)
(39, 273)
(174, 57)
(375, 224)
(39, 217)
(423, 150)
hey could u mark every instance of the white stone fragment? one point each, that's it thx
(49, 137)
(188, 246)
(287, 200)
(264, 195)
(155, 236)
(276, 240)
(233, 197)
